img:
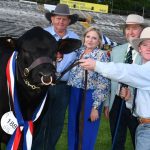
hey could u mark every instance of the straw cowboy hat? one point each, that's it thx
(134, 19)
(62, 10)
(145, 35)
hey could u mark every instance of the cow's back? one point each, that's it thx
(5, 53)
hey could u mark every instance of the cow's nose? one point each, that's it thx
(46, 79)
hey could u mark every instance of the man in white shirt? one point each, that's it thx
(137, 76)
(116, 106)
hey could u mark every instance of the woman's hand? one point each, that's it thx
(94, 115)
(125, 93)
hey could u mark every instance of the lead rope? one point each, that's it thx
(75, 63)
(81, 117)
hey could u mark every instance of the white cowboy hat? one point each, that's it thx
(62, 10)
(145, 35)
(134, 19)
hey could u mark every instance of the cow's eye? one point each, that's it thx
(25, 53)
(53, 57)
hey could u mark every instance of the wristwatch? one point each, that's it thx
(95, 107)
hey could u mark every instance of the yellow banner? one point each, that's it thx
(86, 6)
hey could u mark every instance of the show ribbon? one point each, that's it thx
(23, 126)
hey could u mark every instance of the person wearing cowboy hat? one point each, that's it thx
(61, 10)
(132, 29)
(58, 95)
(137, 76)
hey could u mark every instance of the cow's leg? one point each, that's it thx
(4, 138)
(0, 133)
(0, 139)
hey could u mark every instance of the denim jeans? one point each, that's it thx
(142, 137)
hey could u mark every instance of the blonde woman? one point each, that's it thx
(82, 132)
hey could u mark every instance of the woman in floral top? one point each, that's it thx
(82, 132)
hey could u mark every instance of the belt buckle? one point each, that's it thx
(140, 120)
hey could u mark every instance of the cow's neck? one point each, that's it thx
(29, 99)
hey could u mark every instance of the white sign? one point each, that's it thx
(49, 7)
(9, 122)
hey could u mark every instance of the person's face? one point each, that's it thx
(91, 40)
(132, 31)
(144, 50)
(60, 23)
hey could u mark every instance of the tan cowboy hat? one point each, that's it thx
(62, 10)
(145, 35)
(134, 19)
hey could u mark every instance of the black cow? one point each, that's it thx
(34, 59)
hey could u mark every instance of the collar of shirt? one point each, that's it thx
(57, 37)
(134, 53)
(92, 54)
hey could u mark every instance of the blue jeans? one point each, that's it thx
(52, 123)
(142, 137)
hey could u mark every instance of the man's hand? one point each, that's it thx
(88, 64)
(59, 57)
(125, 93)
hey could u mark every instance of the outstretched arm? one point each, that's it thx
(132, 74)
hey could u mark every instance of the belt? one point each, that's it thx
(144, 120)
(62, 82)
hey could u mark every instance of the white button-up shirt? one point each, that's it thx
(134, 75)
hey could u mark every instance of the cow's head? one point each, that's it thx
(37, 54)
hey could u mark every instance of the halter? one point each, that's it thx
(26, 71)
(37, 62)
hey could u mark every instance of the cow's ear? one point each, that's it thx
(9, 42)
(68, 45)
(12, 43)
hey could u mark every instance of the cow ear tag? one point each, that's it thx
(9, 122)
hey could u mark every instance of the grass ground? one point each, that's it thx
(103, 139)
